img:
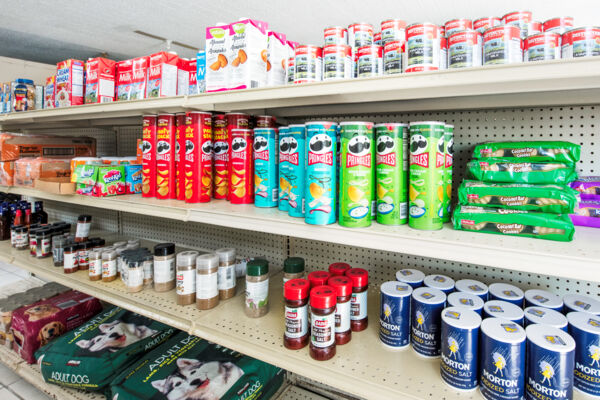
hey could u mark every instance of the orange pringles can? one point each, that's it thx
(149, 155)
(165, 156)
(198, 168)
(220, 157)
(179, 155)
(241, 167)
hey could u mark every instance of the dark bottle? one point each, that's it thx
(18, 220)
(27, 217)
(5, 224)
(39, 215)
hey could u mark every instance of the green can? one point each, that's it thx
(448, 157)
(392, 173)
(426, 175)
(356, 174)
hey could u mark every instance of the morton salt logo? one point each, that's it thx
(291, 158)
(261, 155)
(314, 158)
(538, 390)
(353, 161)
(387, 159)
(583, 305)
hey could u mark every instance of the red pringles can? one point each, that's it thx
(234, 121)
(165, 156)
(179, 154)
(149, 155)
(241, 165)
(198, 174)
(220, 156)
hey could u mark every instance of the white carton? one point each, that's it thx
(217, 46)
(247, 54)
(277, 55)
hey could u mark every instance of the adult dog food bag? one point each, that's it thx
(510, 170)
(531, 151)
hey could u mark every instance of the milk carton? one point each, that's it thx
(217, 45)
(247, 54)
(277, 55)
(139, 77)
(162, 75)
(100, 80)
(201, 71)
(69, 83)
(123, 80)
(192, 77)
(183, 77)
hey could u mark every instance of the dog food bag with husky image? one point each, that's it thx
(190, 368)
(510, 170)
(531, 151)
(91, 356)
(514, 223)
(37, 324)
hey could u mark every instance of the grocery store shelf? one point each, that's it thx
(579, 259)
(541, 83)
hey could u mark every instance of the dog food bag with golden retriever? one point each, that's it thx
(187, 367)
(91, 356)
(35, 325)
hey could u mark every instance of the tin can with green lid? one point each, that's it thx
(392, 173)
(448, 159)
(426, 175)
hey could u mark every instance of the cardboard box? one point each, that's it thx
(277, 55)
(27, 170)
(133, 178)
(49, 92)
(217, 45)
(247, 54)
(69, 83)
(55, 186)
(14, 146)
(201, 71)
(100, 180)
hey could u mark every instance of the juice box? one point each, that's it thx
(139, 75)
(165, 157)
(217, 47)
(162, 75)
(277, 54)
(69, 83)
(247, 54)
(100, 180)
(49, 92)
(124, 79)
(100, 80)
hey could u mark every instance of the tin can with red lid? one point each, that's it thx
(180, 155)
(197, 161)
(443, 52)
(558, 25)
(165, 157)
(220, 157)
(309, 64)
(456, 25)
(335, 35)
(542, 46)
(465, 49)
(377, 39)
(502, 45)
(520, 19)
(291, 70)
(149, 155)
(581, 42)
(482, 24)
(392, 57)
(360, 34)
(241, 167)
(337, 62)
(370, 61)
(422, 47)
(393, 30)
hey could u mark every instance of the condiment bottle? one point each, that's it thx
(186, 277)
(21, 238)
(226, 273)
(5, 224)
(207, 290)
(95, 268)
(164, 267)
(58, 250)
(293, 268)
(338, 268)
(358, 309)
(84, 222)
(84, 257)
(71, 259)
(322, 327)
(109, 266)
(33, 241)
(257, 288)
(343, 289)
(318, 278)
(295, 293)
(43, 243)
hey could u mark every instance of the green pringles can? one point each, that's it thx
(426, 175)
(356, 174)
(392, 173)
(448, 158)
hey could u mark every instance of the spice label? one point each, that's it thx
(95, 267)
(135, 277)
(206, 286)
(358, 308)
(186, 282)
(296, 321)
(70, 260)
(257, 294)
(83, 230)
(322, 330)
(226, 278)
(109, 268)
(342, 317)
(164, 271)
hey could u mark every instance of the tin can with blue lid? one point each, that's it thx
(296, 159)
(394, 318)
(585, 329)
(459, 352)
(543, 298)
(503, 309)
(425, 312)
(577, 302)
(466, 300)
(472, 286)
(266, 185)
(506, 292)
(284, 171)
(502, 360)
(413, 277)
(440, 282)
(545, 316)
(550, 363)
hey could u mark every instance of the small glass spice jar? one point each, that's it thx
(135, 277)
(164, 267)
(84, 255)
(295, 293)
(58, 250)
(322, 325)
(71, 258)
(84, 223)
(186, 277)
(318, 278)
(338, 268)
(109, 266)
(343, 289)
(257, 288)
(358, 309)
(226, 273)
(21, 238)
(43, 243)
(148, 267)
(293, 268)
(207, 289)
(95, 265)
(33, 241)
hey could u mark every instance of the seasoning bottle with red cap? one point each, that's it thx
(343, 289)
(295, 292)
(322, 326)
(318, 278)
(358, 308)
(339, 268)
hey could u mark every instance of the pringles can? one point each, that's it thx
(448, 161)
(149, 155)
(285, 184)
(179, 155)
(266, 166)
(165, 157)
(425, 310)
(296, 158)
(197, 171)
(585, 329)
(241, 183)
(394, 318)
(220, 157)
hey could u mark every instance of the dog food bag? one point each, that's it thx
(555, 199)
(587, 213)
(509, 171)
(187, 367)
(531, 151)
(514, 223)
(91, 356)
(588, 187)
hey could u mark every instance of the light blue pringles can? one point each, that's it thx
(266, 185)
(585, 329)
(296, 159)
(394, 319)
(425, 313)
(321, 173)
(284, 176)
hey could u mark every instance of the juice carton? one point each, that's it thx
(277, 54)
(183, 77)
(69, 83)
(201, 71)
(124, 78)
(247, 54)
(166, 143)
(291, 48)
(217, 45)
(100, 80)
(192, 76)
(162, 75)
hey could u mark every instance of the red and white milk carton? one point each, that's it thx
(124, 78)
(68, 90)
(277, 52)
(198, 157)
(193, 77)
(162, 75)
(139, 75)
(100, 80)
(183, 77)
(49, 92)
(217, 45)
(248, 54)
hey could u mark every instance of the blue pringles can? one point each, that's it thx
(440, 282)
(425, 314)
(578, 302)
(472, 286)
(459, 354)
(550, 363)
(543, 298)
(413, 277)
(296, 159)
(394, 319)
(284, 176)
(502, 360)
(545, 316)
(506, 292)
(266, 185)
(466, 300)
(321, 173)
(585, 329)
(503, 309)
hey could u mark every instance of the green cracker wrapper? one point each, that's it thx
(508, 171)
(530, 151)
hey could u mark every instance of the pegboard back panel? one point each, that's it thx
(104, 220)
(127, 137)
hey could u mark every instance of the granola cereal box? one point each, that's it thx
(69, 83)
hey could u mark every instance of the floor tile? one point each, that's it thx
(5, 394)
(7, 375)
(27, 391)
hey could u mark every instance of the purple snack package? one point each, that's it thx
(587, 213)
(588, 187)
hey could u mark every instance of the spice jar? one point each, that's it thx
(148, 267)
(257, 288)
(338, 268)
(322, 326)
(95, 265)
(343, 289)
(21, 238)
(84, 223)
(226, 272)
(109, 266)
(207, 289)
(358, 308)
(295, 293)
(293, 268)
(71, 258)
(43, 243)
(135, 277)
(318, 278)
(186, 277)
(33, 241)
(84, 256)
(164, 267)
(58, 249)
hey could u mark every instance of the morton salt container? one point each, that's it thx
(502, 45)
(466, 300)
(477, 288)
(503, 309)
(543, 298)
(506, 292)
(394, 317)
(425, 313)
(545, 316)
(440, 282)
(577, 302)
(412, 277)
(550, 363)
(501, 360)
(459, 358)
(585, 329)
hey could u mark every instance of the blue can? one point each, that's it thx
(321, 173)
(543, 298)
(577, 302)
(503, 309)
(506, 292)
(440, 282)
(296, 159)
(502, 360)
(413, 277)
(425, 313)
(550, 363)
(284, 176)
(266, 185)
(545, 316)
(394, 319)
(585, 329)
(466, 300)
(459, 354)
(472, 286)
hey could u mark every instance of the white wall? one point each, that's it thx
(12, 68)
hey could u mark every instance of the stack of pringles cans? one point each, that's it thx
(508, 343)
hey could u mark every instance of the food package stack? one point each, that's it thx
(520, 189)
(587, 210)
